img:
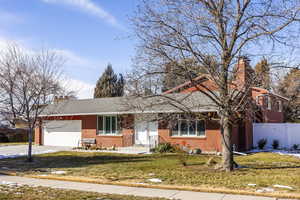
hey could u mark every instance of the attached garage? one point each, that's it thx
(62, 133)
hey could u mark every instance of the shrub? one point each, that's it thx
(197, 151)
(94, 147)
(164, 148)
(295, 146)
(262, 143)
(275, 144)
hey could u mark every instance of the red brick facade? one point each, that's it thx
(210, 142)
(89, 130)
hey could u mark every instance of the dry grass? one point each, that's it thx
(43, 193)
(264, 170)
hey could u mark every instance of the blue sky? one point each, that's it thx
(87, 33)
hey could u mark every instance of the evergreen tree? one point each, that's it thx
(262, 71)
(109, 85)
(290, 87)
(120, 86)
(178, 73)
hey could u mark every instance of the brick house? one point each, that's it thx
(116, 122)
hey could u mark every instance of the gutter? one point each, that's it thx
(120, 113)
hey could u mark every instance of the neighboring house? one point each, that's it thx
(127, 121)
(13, 134)
(20, 124)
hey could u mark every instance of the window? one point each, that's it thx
(191, 128)
(279, 106)
(269, 102)
(175, 129)
(107, 125)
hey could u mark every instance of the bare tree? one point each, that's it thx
(28, 81)
(171, 31)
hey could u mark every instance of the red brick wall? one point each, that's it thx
(211, 141)
(89, 130)
(128, 137)
(109, 141)
(38, 135)
(249, 135)
(273, 115)
(89, 126)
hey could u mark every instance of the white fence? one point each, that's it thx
(287, 134)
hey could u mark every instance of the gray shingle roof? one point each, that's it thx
(170, 103)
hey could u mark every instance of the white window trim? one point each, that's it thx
(279, 106)
(188, 135)
(104, 125)
(269, 103)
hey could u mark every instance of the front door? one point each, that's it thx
(141, 133)
(145, 130)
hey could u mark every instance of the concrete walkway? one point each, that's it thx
(14, 151)
(123, 190)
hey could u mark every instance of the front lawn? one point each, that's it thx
(44, 193)
(263, 169)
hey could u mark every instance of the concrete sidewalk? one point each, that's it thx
(123, 190)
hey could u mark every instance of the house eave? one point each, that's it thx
(129, 112)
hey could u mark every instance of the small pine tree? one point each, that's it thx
(109, 85)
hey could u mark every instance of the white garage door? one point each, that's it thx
(62, 133)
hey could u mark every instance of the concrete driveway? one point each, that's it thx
(21, 150)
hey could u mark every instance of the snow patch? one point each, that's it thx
(280, 152)
(289, 153)
(59, 172)
(10, 184)
(264, 190)
(283, 186)
(155, 180)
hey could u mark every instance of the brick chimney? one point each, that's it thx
(243, 72)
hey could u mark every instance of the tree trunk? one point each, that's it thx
(29, 158)
(227, 154)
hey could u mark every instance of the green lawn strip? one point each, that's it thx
(12, 143)
(264, 169)
(44, 193)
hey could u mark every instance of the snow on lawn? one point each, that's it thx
(289, 153)
(280, 152)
